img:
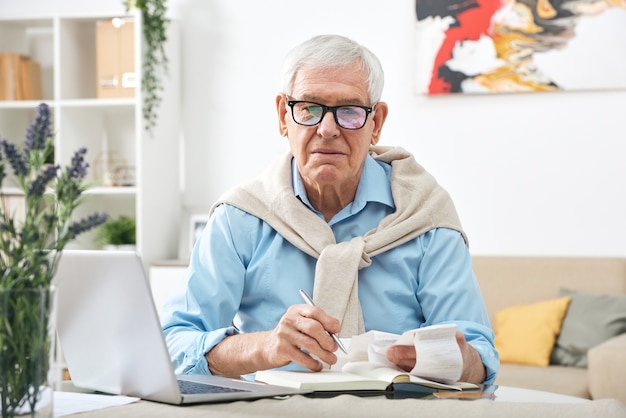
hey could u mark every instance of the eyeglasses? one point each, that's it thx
(311, 113)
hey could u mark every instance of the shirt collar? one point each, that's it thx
(374, 185)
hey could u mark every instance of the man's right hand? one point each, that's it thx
(301, 336)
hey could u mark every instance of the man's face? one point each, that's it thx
(326, 154)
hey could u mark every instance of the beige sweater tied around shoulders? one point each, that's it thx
(421, 205)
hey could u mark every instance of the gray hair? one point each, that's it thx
(333, 51)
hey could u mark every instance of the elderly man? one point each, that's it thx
(362, 227)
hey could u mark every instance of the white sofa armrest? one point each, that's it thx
(606, 368)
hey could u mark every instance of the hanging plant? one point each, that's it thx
(155, 60)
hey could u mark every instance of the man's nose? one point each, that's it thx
(328, 126)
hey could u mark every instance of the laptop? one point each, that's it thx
(112, 341)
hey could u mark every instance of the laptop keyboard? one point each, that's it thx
(193, 388)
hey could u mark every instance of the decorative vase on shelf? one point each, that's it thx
(35, 225)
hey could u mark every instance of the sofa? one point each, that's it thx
(536, 289)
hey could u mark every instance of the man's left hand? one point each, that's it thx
(473, 369)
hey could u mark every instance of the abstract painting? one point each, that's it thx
(509, 46)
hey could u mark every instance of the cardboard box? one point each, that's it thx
(115, 58)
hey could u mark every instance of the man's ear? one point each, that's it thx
(281, 110)
(380, 115)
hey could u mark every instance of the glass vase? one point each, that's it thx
(27, 352)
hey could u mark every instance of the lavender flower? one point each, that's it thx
(31, 245)
(29, 236)
(38, 186)
(85, 224)
(15, 157)
(2, 175)
(52, 194)
(77, 169)
(39, 131)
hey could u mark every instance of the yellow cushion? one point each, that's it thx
(526, 334)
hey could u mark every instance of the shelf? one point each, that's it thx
(112, 191)
(68, 103)
(111, 129)
(92, 191)
(11, 191)
(22, 104)
(98, 103)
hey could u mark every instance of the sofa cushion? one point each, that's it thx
(525, 334)
(590, 320)
(558, 379)
(607, 363)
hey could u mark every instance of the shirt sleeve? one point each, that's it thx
(449, 293)
(199, 313)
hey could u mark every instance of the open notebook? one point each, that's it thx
(112, 340)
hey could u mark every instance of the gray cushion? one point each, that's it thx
(590, 320)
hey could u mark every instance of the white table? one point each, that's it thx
(511, 394)
(509, 402)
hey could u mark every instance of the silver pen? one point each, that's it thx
(309, 302)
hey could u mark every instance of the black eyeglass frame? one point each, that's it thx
(333, 110)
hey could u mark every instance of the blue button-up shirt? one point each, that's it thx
(243, 276)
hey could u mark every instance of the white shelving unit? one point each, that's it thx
(65, 47)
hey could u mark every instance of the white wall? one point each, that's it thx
(531, 174)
